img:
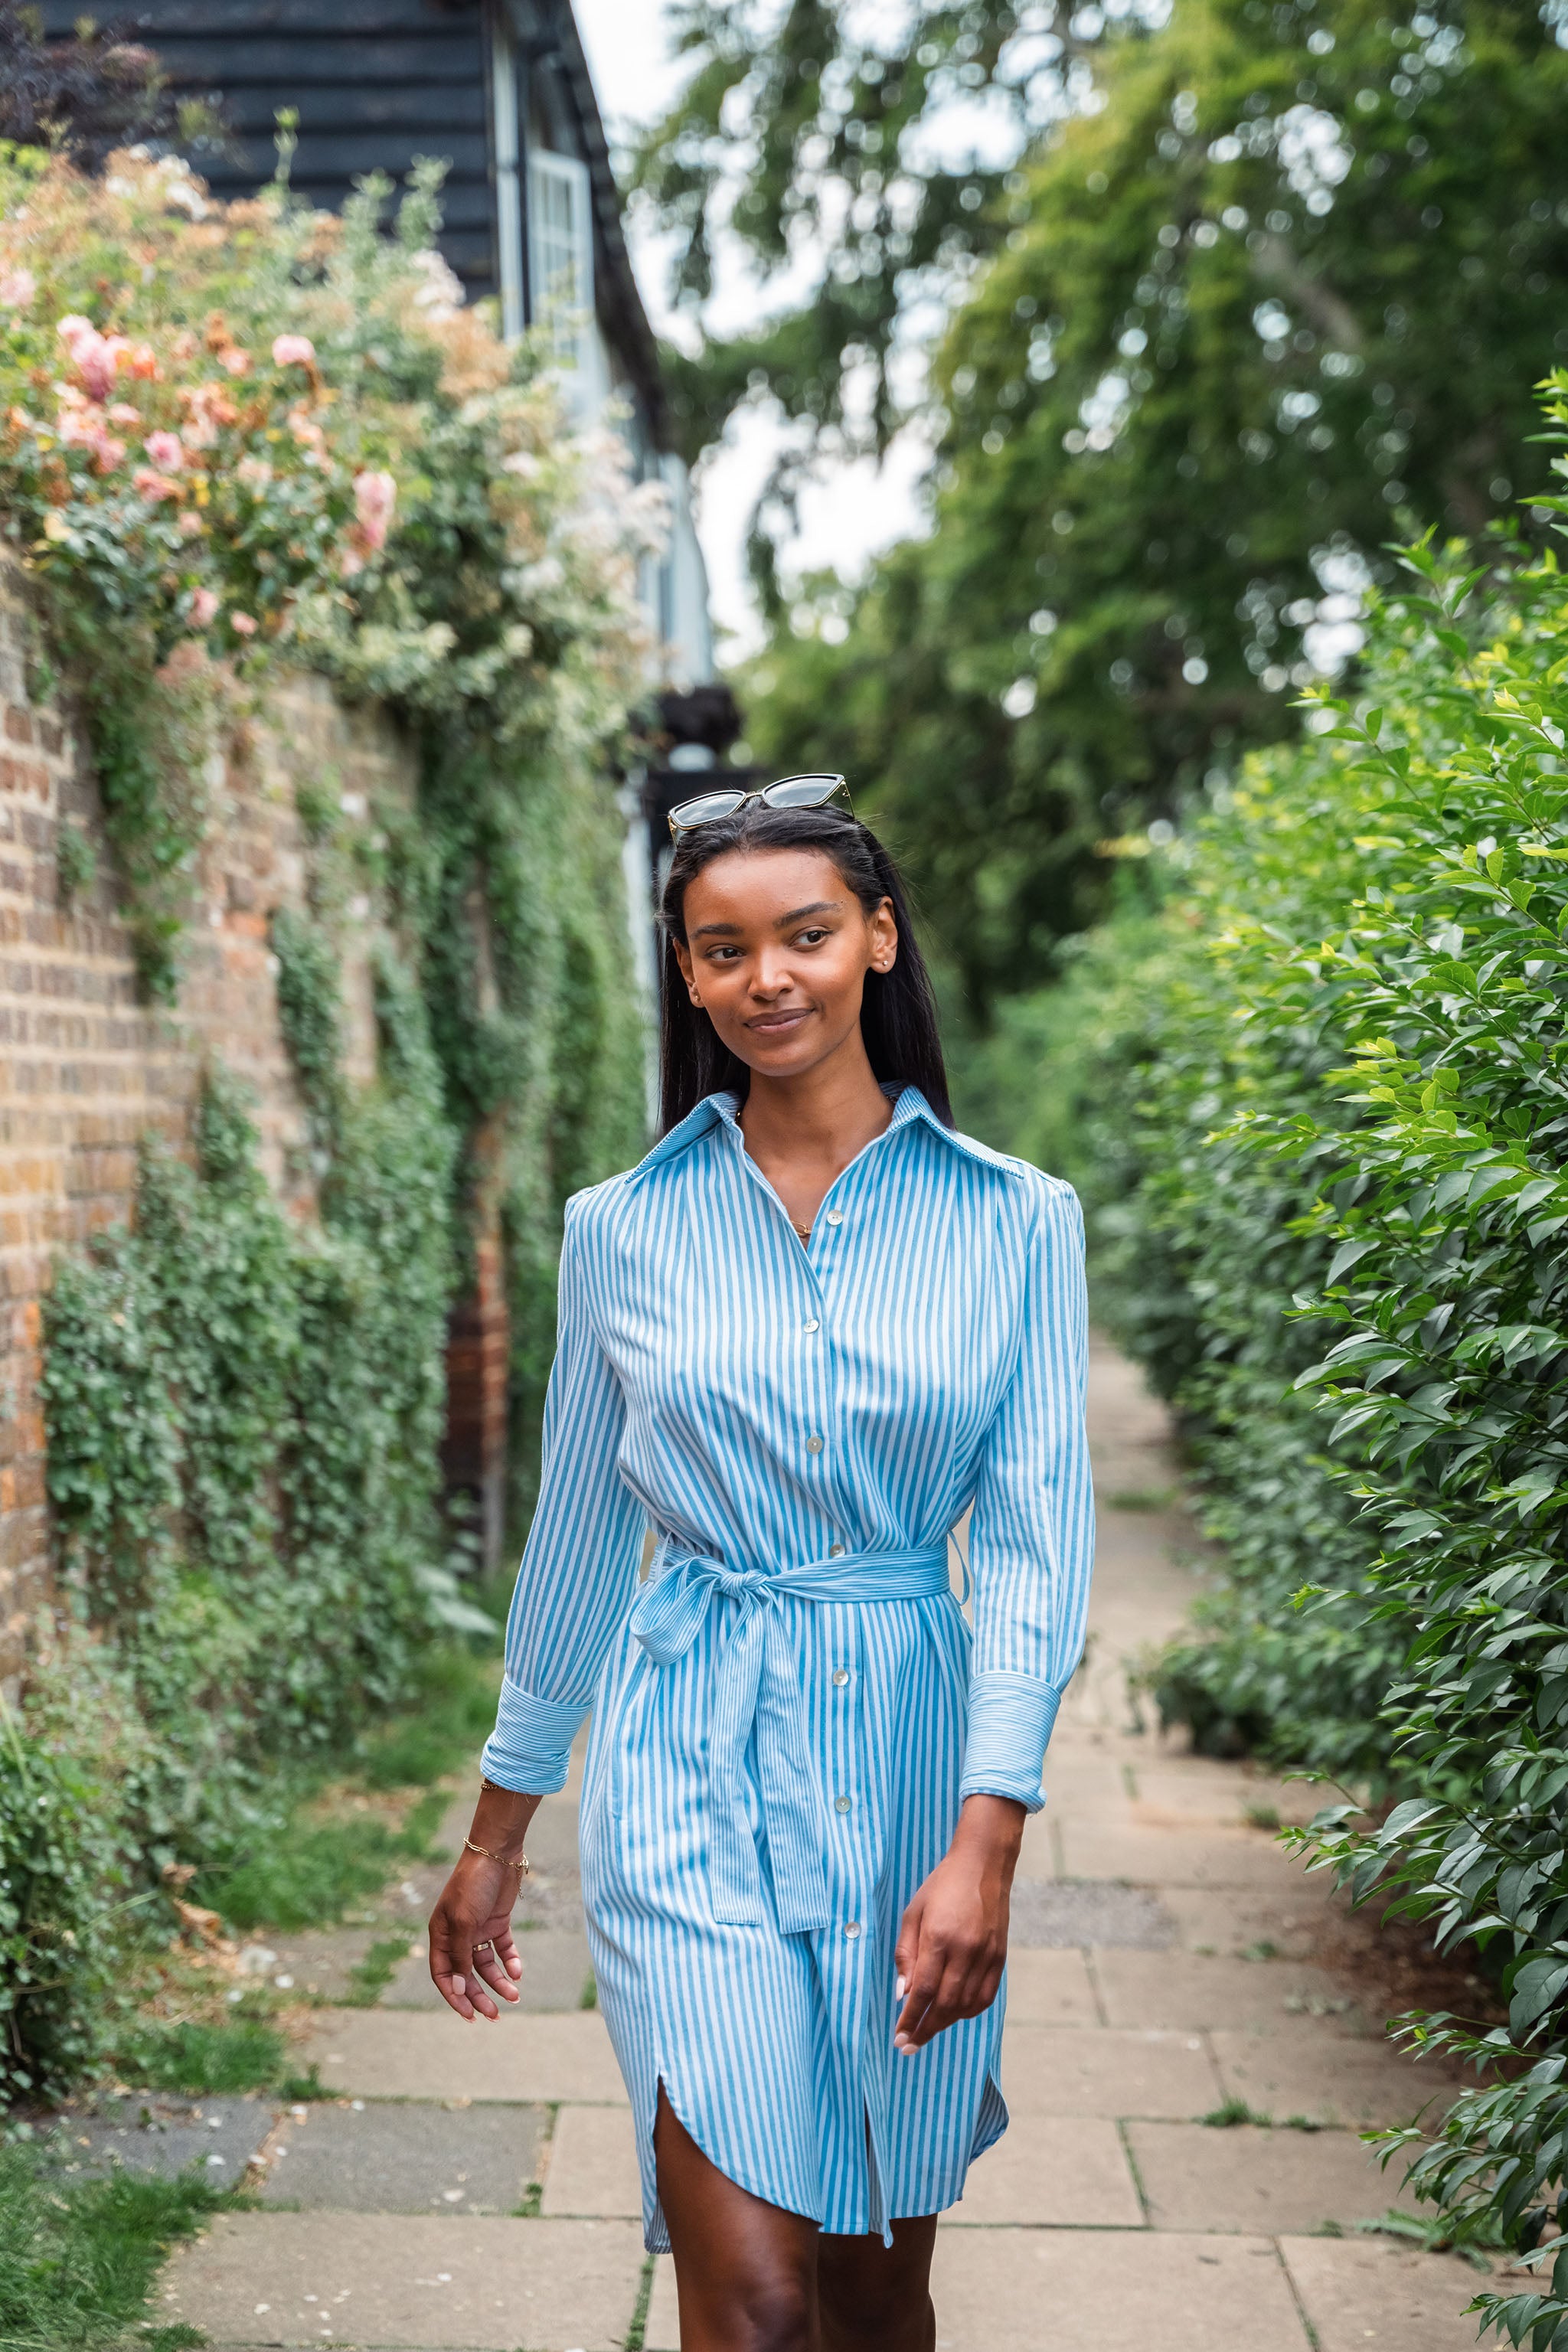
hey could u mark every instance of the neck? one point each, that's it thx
(821, 1118)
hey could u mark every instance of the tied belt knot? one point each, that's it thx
(756, 1683)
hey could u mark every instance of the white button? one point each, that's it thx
(836, 1217)
(851, 1929)
(835, 1551)
(840, 1677)
(814, 1445)
(841, 1804)
(811, 1324)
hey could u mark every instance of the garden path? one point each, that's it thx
(476, 2188)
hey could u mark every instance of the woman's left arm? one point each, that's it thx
(1031, 1545)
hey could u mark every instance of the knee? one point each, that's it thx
(767, 2311)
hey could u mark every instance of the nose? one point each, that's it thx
(771, 975)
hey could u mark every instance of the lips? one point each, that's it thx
(775, 1025)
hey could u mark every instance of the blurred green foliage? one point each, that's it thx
(1267, 284)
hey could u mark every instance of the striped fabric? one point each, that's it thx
(789, 1714)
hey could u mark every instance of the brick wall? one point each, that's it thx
(85, 1069)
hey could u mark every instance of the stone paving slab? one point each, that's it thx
(391, 2159)
(1369, 2294)
(1050, 1914)
(401, 2281)
(1196, 1789)
(1289, 1925)
(555, 1971)
(1045, 1988)
(1197, 2177)
(1064, 2071)
(385, 2054)
(1060, 2171)
(1309, 2069)
(160, 2132)
(1249, 1859)
(318, 1962)
(1183, 1991)
(594, 2165)
(1060, 2290)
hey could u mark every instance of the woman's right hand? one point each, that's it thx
(472, 1942)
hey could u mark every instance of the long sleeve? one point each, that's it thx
(1032, 1529)
(579, 1565)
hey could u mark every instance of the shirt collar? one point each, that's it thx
(909, 1105)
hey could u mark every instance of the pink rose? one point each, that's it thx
(293, 351)
(375, 494)
(242, 625)
(96, 356)
(122, 413)
(234, 359)
(167, 451)
(107, 452)
(204, 608)
(153, 485)
(17, 288)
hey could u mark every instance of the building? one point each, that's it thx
(500, 91)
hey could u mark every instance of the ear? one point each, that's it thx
(884, 932)
(683, 958)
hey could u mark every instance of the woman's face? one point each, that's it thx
(776, 951)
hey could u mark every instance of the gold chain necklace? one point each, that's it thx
(804, 1231)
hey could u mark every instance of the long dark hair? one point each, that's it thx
(897, 1012)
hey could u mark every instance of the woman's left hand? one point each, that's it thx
(953, 1942)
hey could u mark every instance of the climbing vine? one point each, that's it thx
(234, 437)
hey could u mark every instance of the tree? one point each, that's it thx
(1283, 285)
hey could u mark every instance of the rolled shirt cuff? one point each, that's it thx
(529, 1750)
(1010, 1720)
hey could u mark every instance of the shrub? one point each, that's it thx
(1334, 1098)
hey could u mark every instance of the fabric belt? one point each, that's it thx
(756, 1683)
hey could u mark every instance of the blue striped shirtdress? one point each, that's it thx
(787, 1712)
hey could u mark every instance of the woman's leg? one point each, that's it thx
(745, 2271)
(877, 2296)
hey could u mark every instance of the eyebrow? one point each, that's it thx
(816, 907)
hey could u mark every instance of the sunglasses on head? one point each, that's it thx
(789, 791)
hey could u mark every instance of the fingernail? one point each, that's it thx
(897, 1988)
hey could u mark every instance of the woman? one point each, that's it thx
(812, 1328)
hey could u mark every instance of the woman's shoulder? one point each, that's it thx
(1029, 1185)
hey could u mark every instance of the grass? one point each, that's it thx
(329, 1851)
(1234, 2111)
(638, 2328)
(78, 2260)
(237, 2054)
(376, 1970)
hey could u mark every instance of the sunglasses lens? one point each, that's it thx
(803, 792)
(705, 808)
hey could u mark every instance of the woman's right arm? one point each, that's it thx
(573, 1588)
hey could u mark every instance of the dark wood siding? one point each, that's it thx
(375, 83)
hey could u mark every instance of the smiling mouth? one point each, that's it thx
(769, 1024)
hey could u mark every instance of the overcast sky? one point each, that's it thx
(860, 509)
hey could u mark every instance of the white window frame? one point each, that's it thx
(567, 311)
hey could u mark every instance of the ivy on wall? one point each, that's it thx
(230, 438)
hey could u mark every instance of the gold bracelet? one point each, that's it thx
(521, 1865)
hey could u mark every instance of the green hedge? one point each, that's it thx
(1314, 1080)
